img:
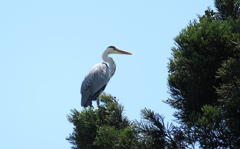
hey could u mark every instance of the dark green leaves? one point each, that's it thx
(105, 127)
(204, 80)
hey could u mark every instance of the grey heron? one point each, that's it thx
(97, 78)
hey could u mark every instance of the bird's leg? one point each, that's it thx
(98, 101)
(91, 106)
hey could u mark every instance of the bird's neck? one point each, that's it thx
(111, 63)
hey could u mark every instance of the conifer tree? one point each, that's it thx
(104, 127)
(107, 128)
(204, 77)
(204, 84)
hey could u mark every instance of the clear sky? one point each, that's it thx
(48, 46)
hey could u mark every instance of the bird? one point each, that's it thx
(97, 78)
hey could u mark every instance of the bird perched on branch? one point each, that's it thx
(97, 78)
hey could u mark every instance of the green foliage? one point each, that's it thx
(110, 112)
(153, 129)
(105, 127)
(154, 134)
(110, 137)
(204, 79)
(211, 130)
(229, 93)
(228, 8)
(204, 84)
(201, 48)
(85, 128)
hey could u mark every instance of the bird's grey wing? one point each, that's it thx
(94, 83)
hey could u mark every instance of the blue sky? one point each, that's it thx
(48, 46)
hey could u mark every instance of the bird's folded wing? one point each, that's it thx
(96, 79)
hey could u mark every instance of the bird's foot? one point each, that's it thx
(91, 106)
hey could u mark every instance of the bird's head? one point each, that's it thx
(115, 50)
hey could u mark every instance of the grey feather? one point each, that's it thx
(94, 83)
(96, 80)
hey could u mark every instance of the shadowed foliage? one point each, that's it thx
(105, 127)
(204, 77)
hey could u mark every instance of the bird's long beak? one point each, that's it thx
(124, 52)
